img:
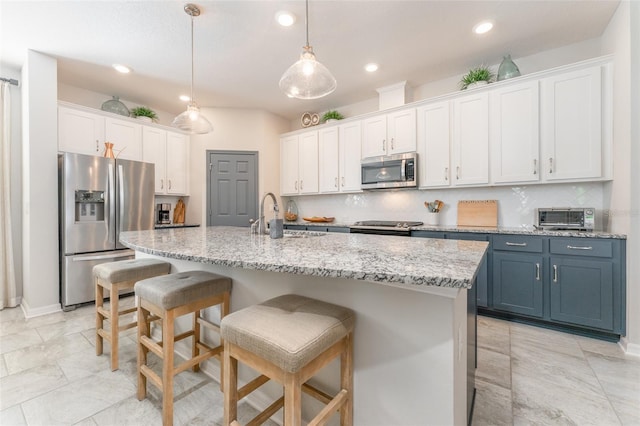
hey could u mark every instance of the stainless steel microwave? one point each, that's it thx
(579, 219)
(390, 171)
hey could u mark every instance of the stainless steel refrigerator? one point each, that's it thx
(98, 198)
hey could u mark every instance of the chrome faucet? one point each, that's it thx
(261, 227)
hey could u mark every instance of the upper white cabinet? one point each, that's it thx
(80, 131)
(339, 158)
(299, 164)
(126, 138)
(329, 159)
(515, 136)
(571, 108)
(169, 151)
(391, 133)
(434, 141)
(470, 165)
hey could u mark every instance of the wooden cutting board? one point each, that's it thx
(179, 212)
(478, 213)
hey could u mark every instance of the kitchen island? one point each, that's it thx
(414, 339)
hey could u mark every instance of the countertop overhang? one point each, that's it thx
(412, 263)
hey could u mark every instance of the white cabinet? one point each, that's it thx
(471, 140)
(434, 141)
(515, 136)
(392, 133)
(126, 137)
(571, 117)
(80, 132)
(299, 164)
(339, 158)
(169, 151)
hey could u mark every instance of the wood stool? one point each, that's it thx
(166, 298)
(116, 276)
(289, 339)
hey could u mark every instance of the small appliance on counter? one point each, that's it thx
(566, 218)
(163, 213)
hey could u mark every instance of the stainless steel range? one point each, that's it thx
(384, 227)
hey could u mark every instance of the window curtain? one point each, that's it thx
(8, 296)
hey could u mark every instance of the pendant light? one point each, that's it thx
(192, 120)
(307, 78)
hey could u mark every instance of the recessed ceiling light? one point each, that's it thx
(286, 19)
(122, 68)
(483, 27)
(371, 67)
(185, 98)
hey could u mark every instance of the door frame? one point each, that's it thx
(208, 165)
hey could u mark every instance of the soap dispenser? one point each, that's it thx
(276, 226)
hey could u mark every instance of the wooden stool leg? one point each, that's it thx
(196, 339)
(292, 400)
(224, 311)
(346, 381)
(143, 330)
(230, 380)
(167, 368)
(113, 304)
(99, 317)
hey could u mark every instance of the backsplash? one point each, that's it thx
(516, 205)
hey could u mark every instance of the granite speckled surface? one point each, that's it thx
(401, 261)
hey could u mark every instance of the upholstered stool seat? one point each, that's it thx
(114, 277)
(289, 339)
(166, 298)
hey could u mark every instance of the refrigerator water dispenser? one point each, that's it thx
(89, 206)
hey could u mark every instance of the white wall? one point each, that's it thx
(235, 130)
(39, 185)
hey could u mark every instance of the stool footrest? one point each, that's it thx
(267, 413)
(252, 385)
(197, 360)
(182, 336)
(128, 326)
(105, 313)
(333, 406)
(151, 375)
(127, 311)
(209, 324)
(316, 393)
(151, 345)
(104, 335)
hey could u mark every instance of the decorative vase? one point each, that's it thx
(115, 106)
(108, 150)
(291, 214)
(507, 69)
(433, 218)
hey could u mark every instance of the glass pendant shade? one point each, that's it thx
(307, 78)
(192, 121)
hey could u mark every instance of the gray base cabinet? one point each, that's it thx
(517, 283)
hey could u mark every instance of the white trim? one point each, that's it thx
(36, 312)
(632, 349)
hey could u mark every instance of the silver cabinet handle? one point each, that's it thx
(169, 180)
(579, 248)
(446, 173)
(457, 172)
(392, 143)
(301, 185)
(161, 183)
(516, 244)
(537, 272)
(97, 145)
(384, 144)
(343, 181)
(555, 273)
(336, 182)
(550, 165)
(295, 185)
(535, 166)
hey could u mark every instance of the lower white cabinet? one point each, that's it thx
(169, 152)
(339, 158)
(299, 164)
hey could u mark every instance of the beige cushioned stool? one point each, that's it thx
(113, 277)
(289, 339)
(166, 298)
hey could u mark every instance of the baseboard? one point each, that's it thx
(632, 349)
(37, 312)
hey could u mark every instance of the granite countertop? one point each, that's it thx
(410, 263)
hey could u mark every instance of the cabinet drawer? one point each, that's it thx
(518, 243)
(581, 247)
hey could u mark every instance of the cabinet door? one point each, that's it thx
(154, 150)
(374, 136)
(515, 134)
(433, 144)
(308, 162)
(177, 164)
(517, 283)
(582, 292)
(328, 148)
(572, 125)
(80, 132)
(471, 139)
(350, 154)
(289, 165)
(126, 138)
(401, 131)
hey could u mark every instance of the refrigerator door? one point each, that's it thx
(135, 184)
(77, 275)
(86, 209)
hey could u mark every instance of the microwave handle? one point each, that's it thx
(403, 170)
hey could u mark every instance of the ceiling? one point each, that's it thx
(240, 51)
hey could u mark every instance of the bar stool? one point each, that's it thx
(113, 277)
(167, 298)
(289, 339)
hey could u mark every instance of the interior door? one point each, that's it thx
(232, 193)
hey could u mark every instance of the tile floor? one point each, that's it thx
(49, 375)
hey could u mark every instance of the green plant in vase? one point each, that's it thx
(481, 74)
(143, 111)
(331, 115)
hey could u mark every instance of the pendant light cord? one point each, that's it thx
(191, 101)
(306, 20)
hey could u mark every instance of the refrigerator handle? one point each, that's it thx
(101, 256)
(111, 188)
(121, 198)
